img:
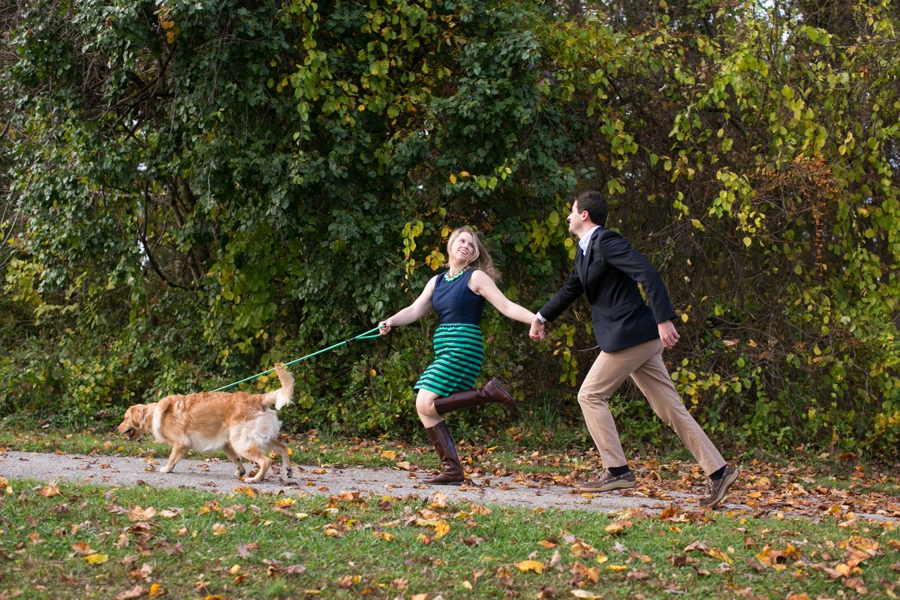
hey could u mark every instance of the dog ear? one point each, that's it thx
(146, 414)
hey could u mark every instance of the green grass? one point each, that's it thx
(243, 546)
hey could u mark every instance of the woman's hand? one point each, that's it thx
(385, 326)
(537, 329)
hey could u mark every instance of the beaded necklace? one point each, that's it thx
(448, 277)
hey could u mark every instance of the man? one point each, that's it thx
(631, 336)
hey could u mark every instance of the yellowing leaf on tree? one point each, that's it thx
(452, 178)
(96, 559)
(531, 565)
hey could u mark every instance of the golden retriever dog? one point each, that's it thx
(242, 425)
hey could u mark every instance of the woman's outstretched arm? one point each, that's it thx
(413, 312)
(484, 286)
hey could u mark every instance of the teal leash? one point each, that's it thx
(368, 335)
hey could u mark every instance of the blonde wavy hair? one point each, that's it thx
(482, 258)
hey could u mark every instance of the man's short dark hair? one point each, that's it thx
(595, 205)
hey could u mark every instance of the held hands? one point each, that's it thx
(667, 334)
(537, 330)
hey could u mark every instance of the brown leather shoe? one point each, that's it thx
(452, 473)
(718, 489)
(491, 393)
(608, 482)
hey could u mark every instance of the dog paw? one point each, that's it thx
(166, 469)
(290, 473)
(240, 472)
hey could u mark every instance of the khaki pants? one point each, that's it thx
(645, 365)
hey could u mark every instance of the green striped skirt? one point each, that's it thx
(458, 354)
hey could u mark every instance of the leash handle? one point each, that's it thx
(367, 335)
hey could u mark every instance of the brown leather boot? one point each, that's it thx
(452, 471)
(492, 392)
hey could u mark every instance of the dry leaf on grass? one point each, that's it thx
(530, 565)
(618, 527)
(137, 591)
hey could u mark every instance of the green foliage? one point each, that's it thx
(201, 189)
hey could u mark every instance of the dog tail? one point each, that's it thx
(284, 396)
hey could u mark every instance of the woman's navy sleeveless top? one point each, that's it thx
(454, 302)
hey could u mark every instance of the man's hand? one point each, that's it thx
(537, 330)
(385, 327)
(667, 334)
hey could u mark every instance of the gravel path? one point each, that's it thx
(216, 475)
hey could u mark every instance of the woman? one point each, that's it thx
(446, 385)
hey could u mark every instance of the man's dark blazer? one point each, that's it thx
(609, 273)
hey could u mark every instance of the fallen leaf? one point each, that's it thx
(678, 560)
(247, 491)
(618, 527)
(218, 528)
(831, 573)
(82, 548)
(547, 544)
(585, 594)
(583, 550)
(531, 565)
(635, 574)
(293, 570)
(856, 583)
(137, 591)
(719, 555)
(141, 514)
(96, 559)
(49, 491)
